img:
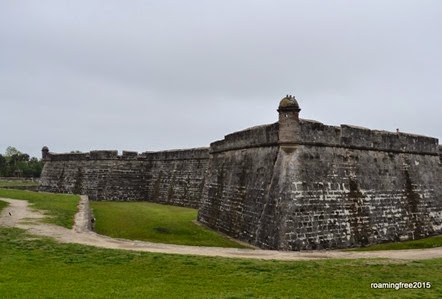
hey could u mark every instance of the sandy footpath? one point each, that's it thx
(18, 214)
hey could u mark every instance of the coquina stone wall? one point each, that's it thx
(440, 153)
(362, 187)
(238, 181)
(173, 177)
(292, 185)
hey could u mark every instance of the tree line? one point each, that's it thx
(17, 164)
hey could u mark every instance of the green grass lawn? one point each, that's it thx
(61, 208)
(17, 183)
(41, 268)
(430, 242)
(156, 223)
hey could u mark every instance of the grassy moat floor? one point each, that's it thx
(430, 242)
(155, 223)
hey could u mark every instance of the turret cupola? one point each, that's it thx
(288, 120)
(289, 103)
(45, 153)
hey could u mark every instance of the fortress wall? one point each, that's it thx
(173, 177)
(99, 174)
(329, 197)
(236, 191)
(238, 176)
(316, 197)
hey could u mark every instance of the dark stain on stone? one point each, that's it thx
(411, 196)
(78, 186)
(60, 181)
(360, 229)
(171, 188)
(157, 186)
(216, 194)
(416, 223)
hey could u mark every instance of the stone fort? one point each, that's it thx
(292, 185)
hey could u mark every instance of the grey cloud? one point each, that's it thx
(167, 74)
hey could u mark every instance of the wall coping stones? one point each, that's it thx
(182, 154)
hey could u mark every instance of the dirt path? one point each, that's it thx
(18, 214)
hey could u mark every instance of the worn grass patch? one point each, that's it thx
(430, 242)
(61, 208)
(41, 268)
(3, 205)
(18, 184)
(156, 223)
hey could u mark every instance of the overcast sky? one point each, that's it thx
(153, 75)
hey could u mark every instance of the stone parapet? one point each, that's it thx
(259, 136)
(346, 136)
(194, 153)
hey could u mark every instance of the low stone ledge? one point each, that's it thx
(83, 217)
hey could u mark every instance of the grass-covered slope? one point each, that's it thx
(41, 268)
(430, 242)
(18, 184)
(3, 205)
(60, 208)
(156, 223)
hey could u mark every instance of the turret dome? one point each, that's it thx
(289, 102)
